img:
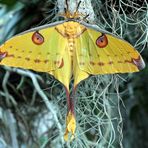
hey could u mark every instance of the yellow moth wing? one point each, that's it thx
(116, 56)
(44, 55)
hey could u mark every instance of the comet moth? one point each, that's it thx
(70, 48)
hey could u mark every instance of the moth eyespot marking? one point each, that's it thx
(82, 63)
(27, 59)
(62, 64)
(138, 62)
(23, 51)
(37, 38)
(37, 61)
(3, 55)
(11, 55)
(48, 53)
(30, 51)
(90, 54)
(110, 63)
(56, 62)
(92, 63)
(127, 61)
(46, 61)
(10, 46)
(101, 64)
(102, 41)
(19, 57)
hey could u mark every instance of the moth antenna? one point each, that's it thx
(67, 7)
(78, 6)
(86, 17)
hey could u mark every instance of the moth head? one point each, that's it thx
(72, 15)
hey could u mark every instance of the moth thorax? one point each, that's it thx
(71, 29)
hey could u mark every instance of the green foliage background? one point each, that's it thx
(23, 101)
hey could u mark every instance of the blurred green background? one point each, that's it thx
(19, 15)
